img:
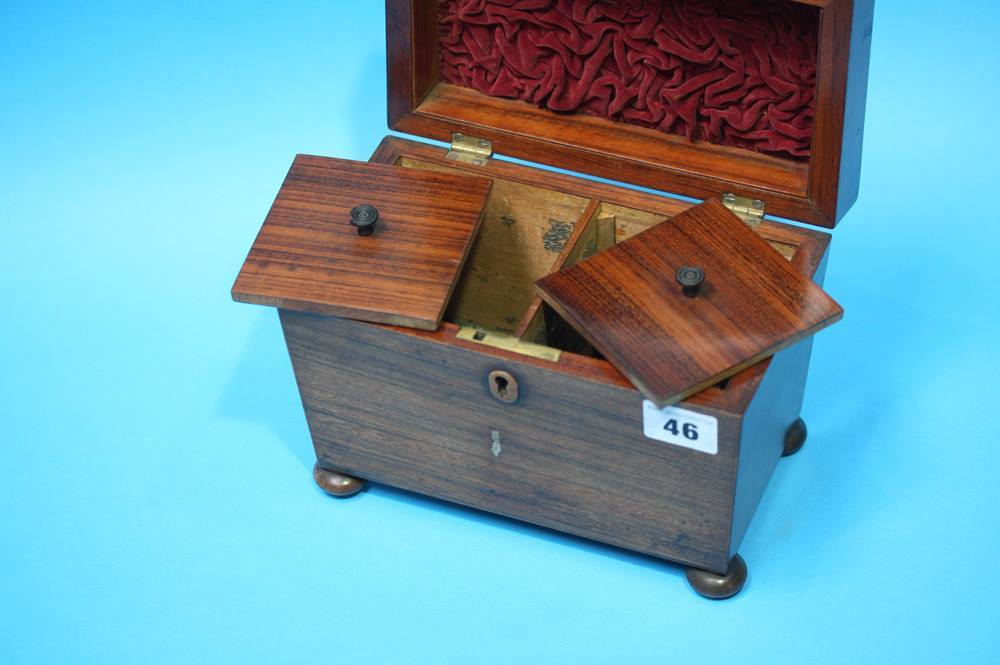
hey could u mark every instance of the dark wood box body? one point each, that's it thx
(413, 409)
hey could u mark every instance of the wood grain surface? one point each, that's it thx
(308, 256)
(819, 192)
(570, 454)
(626, 301)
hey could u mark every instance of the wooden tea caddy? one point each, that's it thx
(426, 359)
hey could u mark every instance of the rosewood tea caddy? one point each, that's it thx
(609, 362)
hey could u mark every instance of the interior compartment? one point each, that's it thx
(527, 232)
(737, 73)
(524, 230)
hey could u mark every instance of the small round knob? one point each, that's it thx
(365, 217)
(691, 278)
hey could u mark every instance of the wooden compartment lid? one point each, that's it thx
(506, 90)
(629, 302)
(310, 254)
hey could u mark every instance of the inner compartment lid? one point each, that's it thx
(763, 99)
(310, 254)
(629, 302)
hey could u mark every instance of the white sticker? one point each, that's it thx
(681, 427)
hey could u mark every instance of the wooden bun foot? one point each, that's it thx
(795, 438)
(719, 587)
(337, 484)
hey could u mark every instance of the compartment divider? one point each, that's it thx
(532, 325)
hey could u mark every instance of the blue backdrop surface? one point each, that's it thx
(157, 504)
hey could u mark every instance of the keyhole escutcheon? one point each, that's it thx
(503, 386)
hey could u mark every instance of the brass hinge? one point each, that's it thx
(749, 210)
(470, 150)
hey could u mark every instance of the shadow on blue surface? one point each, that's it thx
(367, 115)
(261, 389)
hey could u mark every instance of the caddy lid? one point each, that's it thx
(762, 99)
(688, 302)
(364, 241)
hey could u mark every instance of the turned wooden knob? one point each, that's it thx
(365, 217)
(691, 278)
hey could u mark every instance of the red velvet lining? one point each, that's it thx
(733, 72)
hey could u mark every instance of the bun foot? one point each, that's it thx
(719, 587)
(795, 438)
(337, 484)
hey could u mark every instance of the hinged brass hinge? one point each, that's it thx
(749, 210)
(470, 150)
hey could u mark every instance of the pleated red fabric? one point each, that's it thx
(733, 72)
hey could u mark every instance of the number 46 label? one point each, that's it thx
(681, 427)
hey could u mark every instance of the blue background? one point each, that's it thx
(157, 504)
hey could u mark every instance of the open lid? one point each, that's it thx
(763, 99)
(688, 302)
(364, 241)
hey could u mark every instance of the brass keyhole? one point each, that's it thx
(503, 386)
